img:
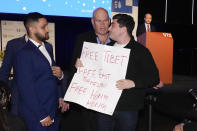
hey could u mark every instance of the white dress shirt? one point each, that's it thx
(147, 27)
(43, 50)
(120, 45)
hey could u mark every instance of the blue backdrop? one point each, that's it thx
(77, 8)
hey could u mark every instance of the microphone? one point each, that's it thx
(193, 93)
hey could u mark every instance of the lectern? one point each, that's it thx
(161, 46)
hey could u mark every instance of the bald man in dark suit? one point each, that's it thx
(146, 26)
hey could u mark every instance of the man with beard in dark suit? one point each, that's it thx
(37, 77)
(12, 47)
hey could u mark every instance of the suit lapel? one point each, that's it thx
(22, 39)
(38, 52)
(50, 51)
(144, 29)
(152, 28)
(92, 37)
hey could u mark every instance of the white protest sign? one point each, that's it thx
(93, 86)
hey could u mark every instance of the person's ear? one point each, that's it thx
(110, 22)
(92, 21)
(123, 29)
(31, 30)
(9, 97)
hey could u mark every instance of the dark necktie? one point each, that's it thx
(148, 28)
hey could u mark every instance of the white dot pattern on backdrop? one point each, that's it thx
(79, 8)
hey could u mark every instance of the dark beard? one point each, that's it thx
(42, 38)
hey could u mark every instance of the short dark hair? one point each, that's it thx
(32, 17)
(127, 21)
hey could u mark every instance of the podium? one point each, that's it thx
(161, 46)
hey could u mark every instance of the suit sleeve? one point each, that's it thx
(153, 28)
(138, 31)
(7, 63)
(59, 82)
(26, 84)
(76, 54)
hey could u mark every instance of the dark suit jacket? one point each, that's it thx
(8, 62)
(142, 29)
(143, 71)
(88, 37)
(37, 86)
(12, 47)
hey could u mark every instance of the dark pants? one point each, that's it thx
(34, 124)
(14, 101)
(120, 121)
(89, 120)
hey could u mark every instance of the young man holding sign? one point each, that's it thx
(141, 73)
(100, 22)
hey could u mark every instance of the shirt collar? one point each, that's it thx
(107, 41)
(26, 38)
(120, 45)
(147, 24)
(36, 43)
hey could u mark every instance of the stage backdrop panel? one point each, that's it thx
(129, 7)
(15, 29)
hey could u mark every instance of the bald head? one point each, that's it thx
(100, 21)
(148, 18)
(100, 11)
